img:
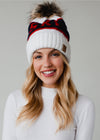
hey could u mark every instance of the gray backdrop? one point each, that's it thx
(83, 21)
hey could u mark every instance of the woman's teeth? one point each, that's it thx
(48, 72)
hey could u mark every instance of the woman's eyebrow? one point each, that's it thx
(37, 52)
(53, 50)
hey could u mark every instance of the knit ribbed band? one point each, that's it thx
(48, 33)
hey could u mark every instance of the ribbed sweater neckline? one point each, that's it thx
(48, 92)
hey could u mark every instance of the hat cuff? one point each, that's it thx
(47, 38)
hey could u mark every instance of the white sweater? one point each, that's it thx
(45, 126)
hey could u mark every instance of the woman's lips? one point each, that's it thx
(48, 73)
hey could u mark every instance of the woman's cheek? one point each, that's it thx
(59, 62)
(36, 65)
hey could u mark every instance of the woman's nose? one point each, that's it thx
(47, 62)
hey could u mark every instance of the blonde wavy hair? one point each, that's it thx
(64, 100)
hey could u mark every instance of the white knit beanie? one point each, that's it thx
(48, 33)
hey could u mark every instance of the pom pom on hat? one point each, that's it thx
(46, 9)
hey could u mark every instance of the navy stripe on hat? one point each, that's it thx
(58, 24)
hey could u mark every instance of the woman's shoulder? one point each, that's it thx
(17, 97)
(16, 94)
(84, 100)
(84, 104)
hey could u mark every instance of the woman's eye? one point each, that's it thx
(37, 57)
(55, 54)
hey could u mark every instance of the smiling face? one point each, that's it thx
(48, 66)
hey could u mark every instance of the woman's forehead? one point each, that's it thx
(45, 50)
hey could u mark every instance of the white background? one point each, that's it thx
(83, 21)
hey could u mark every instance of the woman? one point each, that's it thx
(49, 106)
